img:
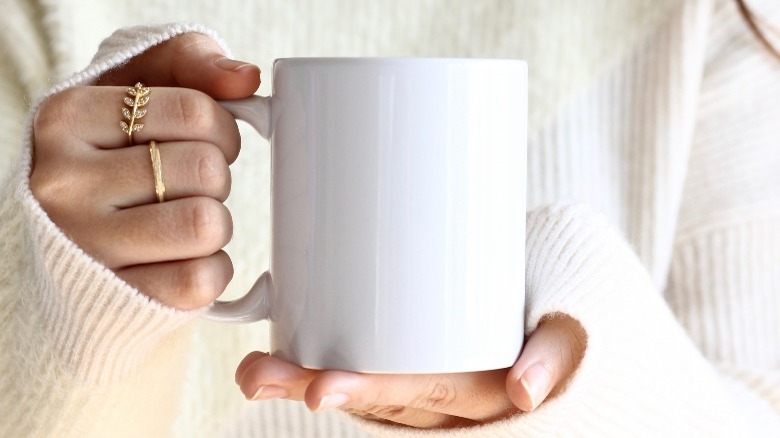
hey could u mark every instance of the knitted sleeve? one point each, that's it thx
(83, 353)
(724, 282)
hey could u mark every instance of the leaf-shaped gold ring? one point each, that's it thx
(138, 96)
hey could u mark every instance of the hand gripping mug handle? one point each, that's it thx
(254, 306)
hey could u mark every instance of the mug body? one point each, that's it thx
(398, 212)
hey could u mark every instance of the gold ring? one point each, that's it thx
(159, 183)
(137, 97)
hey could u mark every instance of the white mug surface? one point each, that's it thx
(398, 212)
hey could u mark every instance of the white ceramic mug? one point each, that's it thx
(398, 214)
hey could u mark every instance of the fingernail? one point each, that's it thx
(536, 382)
(226, 63)
(267, 392)
(332, 401)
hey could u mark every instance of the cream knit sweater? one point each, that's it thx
(654, 218)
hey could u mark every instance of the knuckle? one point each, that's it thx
(194, 110)
(52, 190)
(44, 188)
(55, 179)
(184, 43)
(55, 114)
(386, 412)
(213, 175)
(210, 224)
(196, 284)
(440, 393)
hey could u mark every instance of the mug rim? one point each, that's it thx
(327, 60)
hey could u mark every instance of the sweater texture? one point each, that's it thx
(653, 217)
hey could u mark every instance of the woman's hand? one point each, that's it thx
(549, 358)
(100, 190)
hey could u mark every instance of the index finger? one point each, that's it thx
(172, 114)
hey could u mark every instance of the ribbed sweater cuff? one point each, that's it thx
(100, 327)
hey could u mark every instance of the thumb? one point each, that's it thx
(190, 60)
(549, 358)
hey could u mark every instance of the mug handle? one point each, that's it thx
(255, 305)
